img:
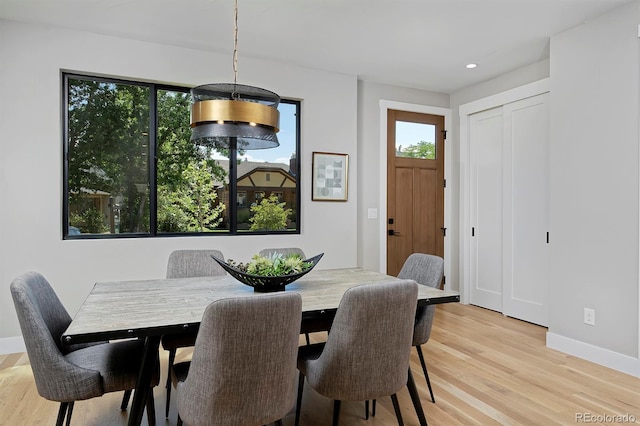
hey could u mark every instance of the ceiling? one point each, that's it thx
(414, 43)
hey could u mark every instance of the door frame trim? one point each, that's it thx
(386, 105)
(465, 110)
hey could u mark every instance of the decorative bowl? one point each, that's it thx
(261, 283)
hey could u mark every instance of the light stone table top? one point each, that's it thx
(123, 309)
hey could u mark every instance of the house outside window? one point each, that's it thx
(112, 128)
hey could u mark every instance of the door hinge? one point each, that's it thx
(444, 183)
(444, 232)
(444, 279)
(444, 133)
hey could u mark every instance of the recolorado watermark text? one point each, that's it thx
(605, 418)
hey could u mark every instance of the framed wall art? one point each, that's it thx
(329, 176)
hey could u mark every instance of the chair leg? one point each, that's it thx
(366, 409)
(306, 335)
(299, 400)
(69, 412)
(415, 398)
(426, 373)
(66, 410)
(396, 407)
(151, 408)
(172, 358)
(336, 412)
(62, 413)
(125, 399)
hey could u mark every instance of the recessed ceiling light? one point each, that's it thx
(470, 66)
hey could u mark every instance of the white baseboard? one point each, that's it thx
(605, 357)
(12, 345)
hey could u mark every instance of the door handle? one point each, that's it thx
(391, 232)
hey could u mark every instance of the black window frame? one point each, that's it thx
(153, 187)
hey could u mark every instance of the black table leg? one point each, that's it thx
(143, 384)
(415, 398)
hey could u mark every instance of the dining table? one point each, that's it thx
(149, 309)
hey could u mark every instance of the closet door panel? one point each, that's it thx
(526, 209)
(486, 199)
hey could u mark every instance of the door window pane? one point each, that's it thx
(415, 140)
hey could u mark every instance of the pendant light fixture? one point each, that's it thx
(232, 115)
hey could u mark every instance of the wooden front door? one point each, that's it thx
(415, 186)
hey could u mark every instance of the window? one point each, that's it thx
(415, 140)
(112, 187)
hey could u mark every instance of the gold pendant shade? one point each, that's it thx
(234, 115)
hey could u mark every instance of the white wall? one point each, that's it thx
(595, 74)
(31, 159)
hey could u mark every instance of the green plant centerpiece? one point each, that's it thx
(269, 273)
(273, 265)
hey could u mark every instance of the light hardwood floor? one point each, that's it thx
(485, 369)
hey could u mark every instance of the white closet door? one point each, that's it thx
(486, 199)
(526, 209)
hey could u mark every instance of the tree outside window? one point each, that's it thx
(112, 188)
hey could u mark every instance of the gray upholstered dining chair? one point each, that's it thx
(425, 269)
(285, 251)
(366, 355)
(187, 264)
(194, 263)
(69, 373)
(243, 367)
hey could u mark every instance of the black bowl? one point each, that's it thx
(262, 283)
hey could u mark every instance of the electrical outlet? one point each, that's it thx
(589, 316)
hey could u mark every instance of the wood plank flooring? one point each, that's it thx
(485, 369)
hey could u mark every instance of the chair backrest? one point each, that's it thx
(194, 263)
(425, 269)
(285, 251)
(43, 319)
(366, 355)
(243, 366)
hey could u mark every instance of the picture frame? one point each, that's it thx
(329, 179)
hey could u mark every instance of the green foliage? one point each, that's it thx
(269, 215)
(108, 145)
(190, 205)
(108, 150)
(90, 221)
(243, 215)
(175, 149)
(423, 149)
(274, 265)
(171, 216)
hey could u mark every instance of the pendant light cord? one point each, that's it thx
(235, 44)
